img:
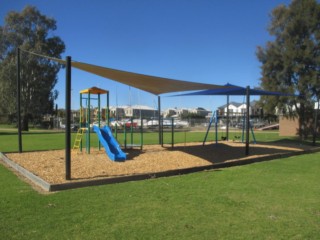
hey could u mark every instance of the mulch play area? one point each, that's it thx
(149, 162)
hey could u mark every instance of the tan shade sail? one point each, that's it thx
(151, 84)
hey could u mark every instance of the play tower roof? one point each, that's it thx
(94, 90)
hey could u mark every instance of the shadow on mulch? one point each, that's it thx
(219, 153)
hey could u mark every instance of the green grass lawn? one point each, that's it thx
(269, 200)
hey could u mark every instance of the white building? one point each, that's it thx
(199, 111)
(238, 109)
(170, 112)
(184, 112)
(134, 111)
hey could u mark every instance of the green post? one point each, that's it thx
(80, 119)
(185, 137)
(116, 130)
(107, 111)
(125, 137)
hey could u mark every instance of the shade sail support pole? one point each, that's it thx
(68, 119)
(159, 120)
(19, 102)
(227, 127)
(247, 120)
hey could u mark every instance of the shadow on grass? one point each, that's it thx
(292, 141)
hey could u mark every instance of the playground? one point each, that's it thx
(56, 167)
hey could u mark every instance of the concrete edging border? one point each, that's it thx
(27, 174)
(79, 184)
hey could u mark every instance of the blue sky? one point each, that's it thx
(208, 41)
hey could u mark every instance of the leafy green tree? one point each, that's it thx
(291, 61)
(30, 31)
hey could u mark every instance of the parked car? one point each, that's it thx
(152, 123)
(181, 124)
(130, 124)
(117, 124)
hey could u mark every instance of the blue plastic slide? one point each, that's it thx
(110, 144)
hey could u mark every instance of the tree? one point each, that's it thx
(291, 62)
(30, 31)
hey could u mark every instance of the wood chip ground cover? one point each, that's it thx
(50, 165)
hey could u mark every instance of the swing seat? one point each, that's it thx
(236, 138)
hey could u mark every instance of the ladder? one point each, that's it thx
(78, 139)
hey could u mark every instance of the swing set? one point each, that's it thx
(215, 119)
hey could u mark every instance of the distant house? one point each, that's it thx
(183, 112)
(170, 112)
(199, 111)
(134, 111)
(117, 112)
(238, 109)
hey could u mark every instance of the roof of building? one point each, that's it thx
(236, 104)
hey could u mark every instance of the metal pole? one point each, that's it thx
(247, 120)
(131, 131)
(68, 118)
(172, 132)
(99, 119)
(159, 120)
(216, 126)
(209, 126)
(116, 131)
(125, 136)
(19, 101)
(80, 120)
(243, 126)
(252, 133)
(315, 125)
(141, 134)
(227, 127)
(108, 112)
